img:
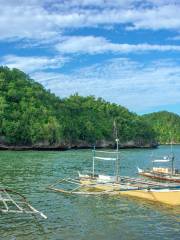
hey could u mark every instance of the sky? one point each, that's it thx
(125, 51)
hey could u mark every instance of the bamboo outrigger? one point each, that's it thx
(93, 183)
(14, 202)
(167, 194)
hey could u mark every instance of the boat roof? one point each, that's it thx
(105, 158)
(161, 160)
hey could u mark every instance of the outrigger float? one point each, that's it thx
(14, 202)
(92, 183)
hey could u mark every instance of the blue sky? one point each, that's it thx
(125, 51)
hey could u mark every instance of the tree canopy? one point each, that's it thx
(30, 115)
(166, 126)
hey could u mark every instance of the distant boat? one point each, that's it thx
(162, 173)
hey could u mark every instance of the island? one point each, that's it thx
(32, 117)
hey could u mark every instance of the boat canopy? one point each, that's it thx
(112, 152)
(105, 158)
(161, 160)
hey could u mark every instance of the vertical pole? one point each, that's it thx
(153, 166)
(172, 171)
(172, 160)
(117, 159)
(93, 159)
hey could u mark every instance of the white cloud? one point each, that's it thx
(132, 84)
(32, 64)
(20, 21)
(48, 19)
(83, 44)
(93, 45)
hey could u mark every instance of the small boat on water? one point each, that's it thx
(94, 183)
(170, 174)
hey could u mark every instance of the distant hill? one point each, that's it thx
(32, 117)
(166, 126)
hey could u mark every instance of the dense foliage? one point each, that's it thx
(27, 113)
(31, 115)
(166, 126)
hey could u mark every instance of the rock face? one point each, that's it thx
(140, 144)
(78, 145)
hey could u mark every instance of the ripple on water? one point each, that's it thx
(81, 217)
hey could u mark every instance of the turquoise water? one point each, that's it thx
(82, 217)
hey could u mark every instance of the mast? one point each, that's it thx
(117, 160)
(172, 156)
(172, 160)
(172, 164)
(94, 151)
(117, 150)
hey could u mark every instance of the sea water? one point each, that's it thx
(82, 217)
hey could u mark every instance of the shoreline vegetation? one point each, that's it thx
(32, 118)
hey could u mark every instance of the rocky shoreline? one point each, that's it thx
(78, 145)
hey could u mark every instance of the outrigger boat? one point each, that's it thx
(14, 202)
(93, 183)
(170, 174)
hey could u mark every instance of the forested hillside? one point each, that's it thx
(32, 116)
(166, 126)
